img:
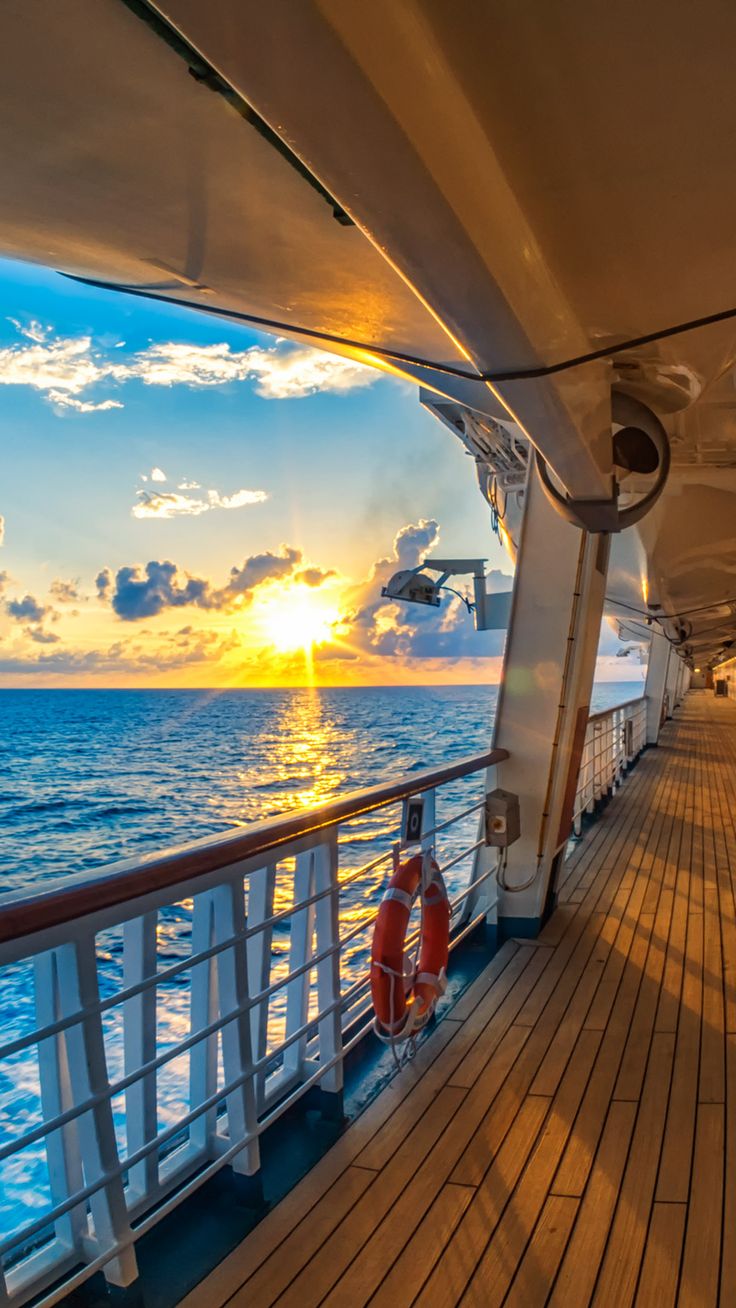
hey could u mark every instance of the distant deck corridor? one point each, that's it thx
(568, 1134)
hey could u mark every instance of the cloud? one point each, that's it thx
(5, 581)
(188, 485)
(287, 374)
(280, 372)
(262, 567)
(64, 401)
(34, 330)
(172, 504)
(167, 504)
(157, 474)
(314, 577)
(238, 500)
(26, 609)
(65, 592)
(62, 368)
(103, 582)
(144, 592)
(174, 650)
(30, 611)
(65, 369)
(42, 637)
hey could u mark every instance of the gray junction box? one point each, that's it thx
(503, 819)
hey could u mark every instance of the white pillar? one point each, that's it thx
(660, 652)
(675, 665)
(680, 682)
(672, 681)
(544, 698)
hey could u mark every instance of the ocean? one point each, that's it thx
(94, 775)
(90, 776)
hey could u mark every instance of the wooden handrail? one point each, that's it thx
(604, 713)
(70, 898)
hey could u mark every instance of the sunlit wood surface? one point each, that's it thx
(568, 1135)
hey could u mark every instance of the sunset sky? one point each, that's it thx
(188, 503)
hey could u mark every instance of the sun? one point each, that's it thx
(297, 618)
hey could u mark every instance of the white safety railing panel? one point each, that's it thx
(171, 1028)
(613, 741)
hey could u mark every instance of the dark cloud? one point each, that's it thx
(143, 594)
(257, 569)
(27, 609)
(66, 592)
(42, 637)
(103, 582)
(137, 593)
(314, 576)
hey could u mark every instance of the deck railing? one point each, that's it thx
(167, 1010)
(613, 741)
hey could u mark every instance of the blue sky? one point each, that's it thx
(310, 453)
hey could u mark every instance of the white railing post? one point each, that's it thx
(589, 764)
(261, 886)
(232, 989)
(429, 821)
(629, 742)
(62, 1146)
(300, 950)
(597, 757)
(485, 858)
(203, 1011)
(139, 1042)
(327, 924)
(79, 994)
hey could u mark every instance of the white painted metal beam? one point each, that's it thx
(544, 698)
(655, 688)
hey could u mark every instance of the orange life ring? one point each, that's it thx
(403, 1002)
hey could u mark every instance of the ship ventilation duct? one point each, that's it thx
(640, 448)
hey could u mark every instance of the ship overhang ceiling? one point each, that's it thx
(493, 189)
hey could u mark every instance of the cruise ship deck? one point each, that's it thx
(563, 1137)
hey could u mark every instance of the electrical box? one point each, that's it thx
(503, 820)
(412, 820)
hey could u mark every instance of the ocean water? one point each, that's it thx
(91, 776)
(87, 777)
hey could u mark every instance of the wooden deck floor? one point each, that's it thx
(568, 1135)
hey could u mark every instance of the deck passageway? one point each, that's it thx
(568, 1134)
